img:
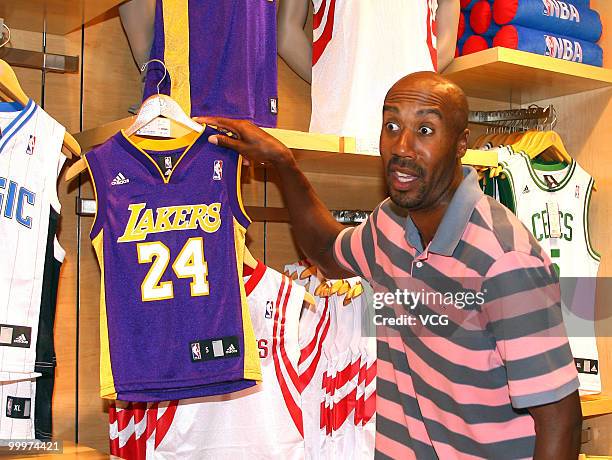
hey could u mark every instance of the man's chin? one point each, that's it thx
(405, 200)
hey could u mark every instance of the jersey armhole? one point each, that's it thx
(97, 223)
(58, 136)
(238, 208)
(587, 236)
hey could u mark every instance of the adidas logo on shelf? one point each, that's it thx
(120, 179)
(21, 339)
(231, 349)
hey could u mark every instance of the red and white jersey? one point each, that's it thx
(360, 49)
(317, 329)
(264, 421)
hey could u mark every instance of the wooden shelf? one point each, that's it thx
(503, 74)
(319, 153)
(62, 16)
(292, 139)
(596, 405)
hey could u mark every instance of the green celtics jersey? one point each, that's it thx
(552, 200)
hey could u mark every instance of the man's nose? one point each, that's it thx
(404, 144)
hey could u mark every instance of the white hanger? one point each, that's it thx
(160, 105)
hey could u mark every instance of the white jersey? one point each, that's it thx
(264, 421)
(30, 160)
(360, 49)
(17, 408)
(537, 189)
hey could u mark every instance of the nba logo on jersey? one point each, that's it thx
(218, 170)
(195, 352)
(269, 309)
(577, 192)
(273, 105)
(31, 145)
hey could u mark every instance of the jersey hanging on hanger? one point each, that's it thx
(30, 161)
(169, 235)
(220, 57)
(360, 49)
(552, 200)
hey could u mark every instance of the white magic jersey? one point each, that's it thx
(264, 421)
(30, 160)
(537, 188)
(360, 49)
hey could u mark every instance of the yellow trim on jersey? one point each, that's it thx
(163, 145)
(239, 189)
(176, 50)
(93, 182)
(252, 366)
(107, 382)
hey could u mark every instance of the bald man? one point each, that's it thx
(488, 374)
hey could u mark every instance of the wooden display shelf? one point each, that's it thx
(507, 75)
(595, 405)
(292, 139)
(318, 153)
(61, 16)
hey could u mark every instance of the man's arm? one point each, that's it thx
(447, 21)
(558, 427)
(294, 45)
(314, 227)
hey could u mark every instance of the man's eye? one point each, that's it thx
(424, 130)
(392, 126)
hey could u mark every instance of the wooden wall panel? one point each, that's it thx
(111, 83)
(62, 101)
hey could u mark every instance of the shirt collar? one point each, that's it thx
(455, 219)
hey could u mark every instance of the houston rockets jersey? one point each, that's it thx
(260, 422)
(538, 188)
(169, 236)
(30, 160)
(220, 56)
(360, 49)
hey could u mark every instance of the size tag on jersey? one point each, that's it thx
(554, 219)
(206, 350)
(18, 407)
(159, 127)
(587, 366)
(551, 182)
(15, 336)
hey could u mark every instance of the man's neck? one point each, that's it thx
(428, 220)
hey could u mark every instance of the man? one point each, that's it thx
(502, 384)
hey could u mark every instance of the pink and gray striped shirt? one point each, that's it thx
(462, 389)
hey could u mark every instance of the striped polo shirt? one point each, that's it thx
(462, 389)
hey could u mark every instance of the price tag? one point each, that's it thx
(159, 127)
(554, 219)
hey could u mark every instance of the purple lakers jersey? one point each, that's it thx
(169, 236)
(220, 56)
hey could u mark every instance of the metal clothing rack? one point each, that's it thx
(530, 118)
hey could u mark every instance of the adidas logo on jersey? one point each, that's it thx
(21, 339)
(525, 190)
(120, 179)
(231, 349)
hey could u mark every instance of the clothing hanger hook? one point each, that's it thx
(144, 68)
(8, 35)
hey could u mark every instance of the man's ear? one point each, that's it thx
(462, 143)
